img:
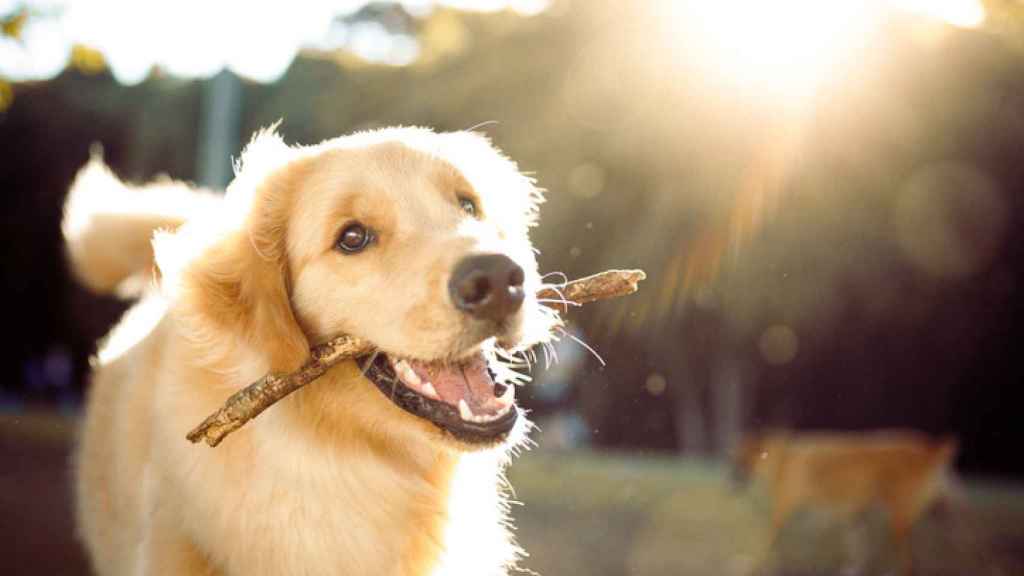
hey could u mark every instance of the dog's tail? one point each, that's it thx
(108, 225)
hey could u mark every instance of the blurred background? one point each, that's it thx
(826, 196)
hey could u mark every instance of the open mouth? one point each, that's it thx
(461, 398)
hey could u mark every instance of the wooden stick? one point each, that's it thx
(249, 402)
(601, 286)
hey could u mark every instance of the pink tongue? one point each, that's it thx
(470, 382)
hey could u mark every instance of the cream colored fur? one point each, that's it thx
(108, 225)
(335, 479)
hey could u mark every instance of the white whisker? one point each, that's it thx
(565, 302)
(557, 301)
(565, 279)
(482, 124)
(504, 366)
(584, 345)
(554, 352)
(516, 359)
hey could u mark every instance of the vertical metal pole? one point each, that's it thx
(727, 396)
(219, 121)
(690, 412)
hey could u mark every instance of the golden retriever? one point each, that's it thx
(388, 465)
(901, 471)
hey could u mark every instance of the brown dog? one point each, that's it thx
(390, 465)
(904, 472)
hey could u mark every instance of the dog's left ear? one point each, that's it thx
(233, 286)
(235, 290)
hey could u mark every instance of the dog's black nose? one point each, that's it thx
(488, 286)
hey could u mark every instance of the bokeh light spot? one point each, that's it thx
(655, 384)
(949, 220)
(586, 180)
(779, 345)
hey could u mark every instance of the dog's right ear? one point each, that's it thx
(228, 272)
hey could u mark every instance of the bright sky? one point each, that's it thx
(790, 43)
(196, 38)
(785, 49)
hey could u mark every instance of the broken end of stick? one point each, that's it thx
(212, 430)
(633, 279)
(601, 286)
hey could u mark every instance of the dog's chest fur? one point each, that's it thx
(287, 504)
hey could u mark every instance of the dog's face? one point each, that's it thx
(374, 243)
(400, 243)
(415, 241)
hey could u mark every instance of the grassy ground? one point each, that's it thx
(585, 514)
(605, 515)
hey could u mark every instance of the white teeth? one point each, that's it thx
(408, 376)
(407, 373)
(508, 396)
(411, 377)
(464, 412)
(428, 391)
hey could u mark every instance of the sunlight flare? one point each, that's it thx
(960, 13)
(784, 49)
(788, 49)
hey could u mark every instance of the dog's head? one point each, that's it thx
(413, 240)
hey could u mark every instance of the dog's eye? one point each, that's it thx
(354, 238)
(467, 205)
